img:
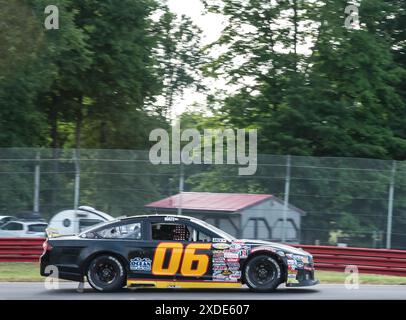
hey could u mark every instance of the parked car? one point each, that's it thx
(25, 229)
(30, 216)
(5, 219)
(70, 222)
(167, 251)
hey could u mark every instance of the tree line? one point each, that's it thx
(293, 70)
(102, 80)
(113, 70)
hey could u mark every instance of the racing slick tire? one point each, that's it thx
(106, 274)
(262, 273)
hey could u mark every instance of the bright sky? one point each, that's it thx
(210, 23)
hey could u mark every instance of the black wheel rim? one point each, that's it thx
(105, 272)
(263, 271)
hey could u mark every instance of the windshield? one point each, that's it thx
(219, 232)
(37, 227)
(12, 226)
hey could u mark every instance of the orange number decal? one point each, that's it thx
(190, 256)
(174, 260)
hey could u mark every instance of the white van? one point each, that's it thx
(70, 222)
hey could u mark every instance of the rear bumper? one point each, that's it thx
(63, 275)
(65, 272)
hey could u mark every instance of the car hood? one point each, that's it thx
(278, 246)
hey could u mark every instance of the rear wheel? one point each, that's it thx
(262, 273)
(106, 273)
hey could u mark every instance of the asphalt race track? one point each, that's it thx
(68, 291)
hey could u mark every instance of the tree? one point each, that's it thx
(116, 78)
(261, 59)
(23, 72)
(179, 57)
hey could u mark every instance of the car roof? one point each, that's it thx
(2, 217)
(27, 222)
(146, 216)
(123, 219)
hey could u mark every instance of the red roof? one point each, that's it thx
(210, 201)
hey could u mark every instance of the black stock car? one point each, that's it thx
(166, 251)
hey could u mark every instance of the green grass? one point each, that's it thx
(19, 271)
(339, 277)
(30, 272)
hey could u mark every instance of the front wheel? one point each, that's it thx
(262, 273)
(106, 273)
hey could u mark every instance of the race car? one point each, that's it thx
(168, 251)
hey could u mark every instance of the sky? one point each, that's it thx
(210, 23)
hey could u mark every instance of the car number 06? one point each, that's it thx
(177, 252)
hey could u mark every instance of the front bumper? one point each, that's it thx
(300, 271)
(301, 278)
(306, 283)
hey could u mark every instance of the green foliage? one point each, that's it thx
(21, 75)
(337, 101)
(94, 81)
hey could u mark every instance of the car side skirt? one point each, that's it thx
(161, 284)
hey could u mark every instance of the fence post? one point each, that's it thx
(181, 184)
(76, 158)
(390, 206)
(286, 197)
(37, 175)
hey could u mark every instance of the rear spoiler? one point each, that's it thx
(53, 233)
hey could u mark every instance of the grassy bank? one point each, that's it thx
(30, 272)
